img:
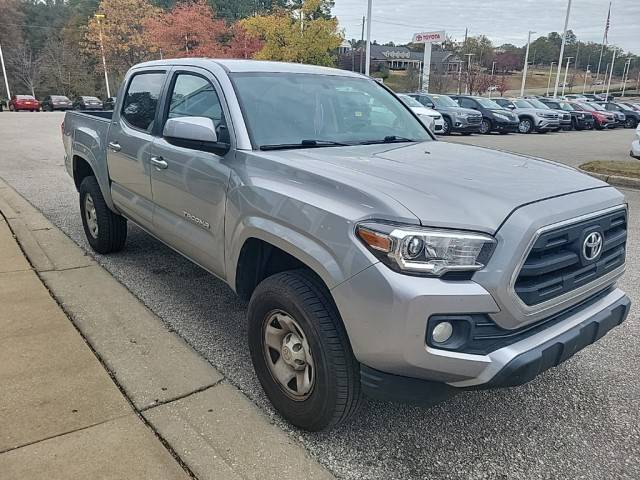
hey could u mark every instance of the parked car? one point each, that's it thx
(541, 120)
(601, 118)
(580, 119)
(24, 102)
(375, 259)
(632, 106)
(619, 117)
(631, 116)
(563, 116)
(456, 118)
(426, 114)
(87, 103)
(494, 117)
(56, 102)
(635, 145)
(109, 103)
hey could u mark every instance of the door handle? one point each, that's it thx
(159, 163)
(115, 146)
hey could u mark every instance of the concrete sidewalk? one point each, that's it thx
(61, 415)
(93, 384)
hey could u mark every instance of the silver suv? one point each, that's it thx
(532, 119)
(374, 258)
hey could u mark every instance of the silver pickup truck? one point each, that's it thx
(375, 259)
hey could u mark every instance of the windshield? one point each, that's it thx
(566, 106)
(284, 109)
(588, 106)
(486, 103)
(537, 103)
(522, 104)
(598, 107)
(443, 101)
(410, 102)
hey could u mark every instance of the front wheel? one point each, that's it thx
(485, 126)
(525, 126)
(447, 126)
(106, 231)
(630, 123)
(300, 351)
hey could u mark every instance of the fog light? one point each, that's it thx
(442, 332)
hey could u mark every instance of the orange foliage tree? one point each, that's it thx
(190, 29)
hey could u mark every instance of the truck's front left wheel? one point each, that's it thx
(300, 351)
(106, 231)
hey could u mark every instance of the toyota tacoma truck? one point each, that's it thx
(375, 260)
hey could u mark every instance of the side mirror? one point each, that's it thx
(193, 129)
(511, 106)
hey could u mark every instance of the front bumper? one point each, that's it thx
(635, 149)
(518, 367)
(546, 125)
(505, 126)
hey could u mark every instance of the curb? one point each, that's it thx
(615, 180)
(209, 426)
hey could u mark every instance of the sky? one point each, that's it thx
(503, 21)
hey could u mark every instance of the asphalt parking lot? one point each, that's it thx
(580, 420)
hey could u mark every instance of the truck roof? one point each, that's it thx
(240, 65)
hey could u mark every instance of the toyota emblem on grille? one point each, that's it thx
(592, 246)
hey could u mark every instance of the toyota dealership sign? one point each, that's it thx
(429, 37)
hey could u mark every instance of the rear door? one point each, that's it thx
(190, 185)
(130, 142)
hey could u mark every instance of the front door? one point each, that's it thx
(190, 186)
(129, 146)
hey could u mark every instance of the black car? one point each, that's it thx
(631, 116)
(109, 103)
(87, 103)
(56, 102)
(580, 120)
(494, 117)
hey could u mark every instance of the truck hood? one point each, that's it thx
(444, 184)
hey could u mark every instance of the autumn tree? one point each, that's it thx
(123, 36)
(302, 35)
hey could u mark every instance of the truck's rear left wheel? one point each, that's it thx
(105, 230)
(300, 351)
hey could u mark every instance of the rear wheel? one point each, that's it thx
(105, 230)
(301, 352)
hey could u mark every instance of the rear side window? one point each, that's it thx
(467, 103)
(141, 100)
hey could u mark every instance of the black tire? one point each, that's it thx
(486, 126)
(335, 394)
(111, 228)
(447, 126)
(630, 123)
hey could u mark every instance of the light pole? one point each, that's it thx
(564, 42)
(4, 71)
(99, 17)
(549, 81)
(584, 87)
(526, 64)
(367, 63)
(493, 69)
(566, 71)
(613, 64)
(625, 76)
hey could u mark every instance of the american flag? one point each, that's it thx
(608, 24)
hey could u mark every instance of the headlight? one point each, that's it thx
(462, 115)
(426, 251)
(581, 115)
(502, 117)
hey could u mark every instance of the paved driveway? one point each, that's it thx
(572, 148)
(579, 420)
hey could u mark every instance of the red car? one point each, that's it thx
(24, 102)
(602, 119)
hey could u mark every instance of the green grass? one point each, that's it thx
(625, 169)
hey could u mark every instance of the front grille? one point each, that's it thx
(475, 119)
(566, 116)
(556, 263)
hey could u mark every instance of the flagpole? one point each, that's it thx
(604, 41)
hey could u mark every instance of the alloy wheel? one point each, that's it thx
(91, 216)
(524, 126)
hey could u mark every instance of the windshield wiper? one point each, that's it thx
(387, 139)
(309, 143)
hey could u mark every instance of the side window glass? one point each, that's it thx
(141, 100)
(194, 96)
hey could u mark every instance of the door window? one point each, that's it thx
(467, 103)
(194, 96)
(141, 100)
